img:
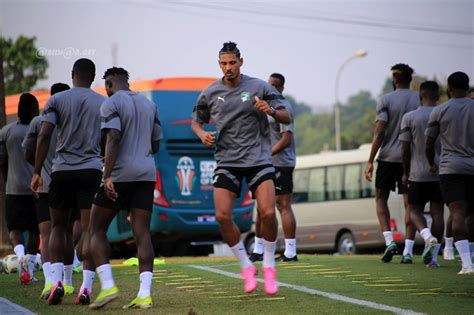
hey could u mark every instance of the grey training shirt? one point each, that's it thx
(29, 143)
(76, 113)
(19, 170)
(390, 108)
(287, 156)
(453, 121)
(413, 128)
(138, 121)
(243, 138)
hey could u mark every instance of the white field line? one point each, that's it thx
(329, 295)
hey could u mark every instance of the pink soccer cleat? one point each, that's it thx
(269, 281)
(250, 280)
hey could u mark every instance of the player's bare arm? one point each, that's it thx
(430, 153)
(406, 159)
(42, 147)
(281, 114)
(379, 134)
(284, 142)
(207, 137)
(111, 152)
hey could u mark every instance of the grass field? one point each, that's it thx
(180, 288)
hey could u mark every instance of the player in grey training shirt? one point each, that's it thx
(423, 185)
(132, 127)
(42, 203)
(76, 171)
(390, 109)
(20, 204)
(284, 159)
(453, 122)
(238, 104)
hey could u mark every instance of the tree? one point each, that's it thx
(298, 107)
(22, 65)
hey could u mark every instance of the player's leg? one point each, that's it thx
(265, 196)
(257, 254)
(283, 203)
(383, 215)
(141, 230)
(100, 219)
(437, 228)
(44, 224)
(410, 231)
(68, 259)
(77, 238)
(57, 248)
(448, 251)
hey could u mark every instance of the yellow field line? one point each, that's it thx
(229, 297)
(425, 293)
(299, 266)
(388, 280)
(199, 286)
(328, 272)
(411, 290)
(359, 275)
(391, 285)
(190, 279)
(185, 282)
(278, 298)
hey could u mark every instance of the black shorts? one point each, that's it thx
(73, 189)
(42, 208)
(20, 213)
(457, 187)
(131, 195)
(231, 178)
(389, 175)
(283, 180)
(419, 193)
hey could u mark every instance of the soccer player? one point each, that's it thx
(390, 109)
(76, 171)
(20, 204)
(131, 124)
(452, 122)
(42, 203)
(284, 159)
(470, 93)
(423, 185)
(238, 105)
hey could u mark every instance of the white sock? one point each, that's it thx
(426, 234)
(408, 247)
(76, 261)
(31, 264)
(39, 259)
(388, 235)
(105, 276)
(241, 254)
(436, 252)
(47, 272)
(19, 250)
(67, 276)
(268, 254)
(290, 247)
(463, 250)
(57, 272)
(145, 284)
(87, 280)
(448, 243)
(258, 248)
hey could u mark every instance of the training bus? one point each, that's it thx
(334, 205)
(183, 209)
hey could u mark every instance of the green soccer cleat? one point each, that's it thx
(427, 255)
(77, 269)
(407, 259)
(105, 297)
(391, 250)
(68, 289)
(140, 303)
(46, 291)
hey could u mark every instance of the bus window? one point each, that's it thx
(352, 181)
(368, 188)
(300, 189)
(316, 185)
(334, 182)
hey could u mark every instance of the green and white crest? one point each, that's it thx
(245, 96)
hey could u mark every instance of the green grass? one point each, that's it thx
(180, 289)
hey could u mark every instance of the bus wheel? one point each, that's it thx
(346, 244)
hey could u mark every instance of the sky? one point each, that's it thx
(307, 41)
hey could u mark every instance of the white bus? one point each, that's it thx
(334, 205)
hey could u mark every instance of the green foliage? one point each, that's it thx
(23, 68)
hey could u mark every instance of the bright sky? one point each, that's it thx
(307, 41)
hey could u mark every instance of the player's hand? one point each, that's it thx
(434, 168)
(36, 185)
(110, 189)
(209, 138)
(405, 180)
(369, 170)
(262, 106)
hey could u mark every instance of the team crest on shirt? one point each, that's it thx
(245, 96)
(185, 175)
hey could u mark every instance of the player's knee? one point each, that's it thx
(267, 213)
(223, 217)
